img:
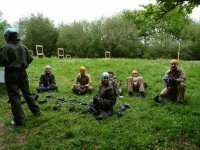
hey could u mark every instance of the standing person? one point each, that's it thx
(47, 80)
(116, 83)
(135, 83)
(83, 82)
(15, 57)
(174, 83)
(104, 100)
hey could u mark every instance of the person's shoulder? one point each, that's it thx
(87, 75)
(52, 74)
(168, 70)
(78, 75)
(24, 46)
(42, 75)
(180, 69)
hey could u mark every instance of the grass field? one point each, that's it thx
(145, 125)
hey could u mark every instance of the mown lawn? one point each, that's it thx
(145, 125)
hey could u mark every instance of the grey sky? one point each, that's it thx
(68, 11)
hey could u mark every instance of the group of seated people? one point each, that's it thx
(110, 87)
(83, 82)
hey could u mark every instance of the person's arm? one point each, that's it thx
(28, 55)
(76, 80)
(181, 77)
(53, 80)
(41, 83)
(1, 57)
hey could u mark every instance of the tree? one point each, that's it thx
(149, 23)
(3, 26)
(190, 43)
(120, 37)
(38, 30)
(73, 38)
(186, 5)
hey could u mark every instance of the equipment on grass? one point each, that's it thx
(35, 96)
(122, 108)
(73, 103)
(60, 103)
(48, 98)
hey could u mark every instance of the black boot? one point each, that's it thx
(130, 94)
(142, 95)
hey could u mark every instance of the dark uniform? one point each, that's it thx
(16, 58)
(105, 99)
(47, 83)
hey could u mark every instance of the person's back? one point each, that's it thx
(16, 58)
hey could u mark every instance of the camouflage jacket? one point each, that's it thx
(83, 80)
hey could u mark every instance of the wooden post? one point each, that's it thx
(107, 54)
(39, 50)
(60, 53)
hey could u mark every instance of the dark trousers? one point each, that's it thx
(15, 81)
(49, 88)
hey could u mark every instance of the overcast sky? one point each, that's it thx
(67, 11)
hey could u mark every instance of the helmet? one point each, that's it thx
(47, 68)
(105, 75)
(82, 68)
(10, 31)
(134, 72)
(174, 61)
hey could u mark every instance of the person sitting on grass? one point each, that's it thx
(174, 84)
(135, 83)
(104, 100)
(83, 82)
(47, 81)
(116, 83)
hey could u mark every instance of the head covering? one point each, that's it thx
(47, 68)
(111, 72)
(134, 72)
(174, 61)
(82, 69)
(105, 75)
(10, 32)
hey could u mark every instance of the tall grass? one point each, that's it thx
(145, 125)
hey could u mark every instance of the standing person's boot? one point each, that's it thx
(102, 115)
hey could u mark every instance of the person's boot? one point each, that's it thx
(102, 116)
(158, 99)
(130, 94)
(87, 110)
(142, 95)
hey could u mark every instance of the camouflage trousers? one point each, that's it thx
(175, 92)
(135, 84)
(80, 90)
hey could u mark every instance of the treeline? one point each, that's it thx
(129, 34)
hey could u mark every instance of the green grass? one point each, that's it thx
(146, 125)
